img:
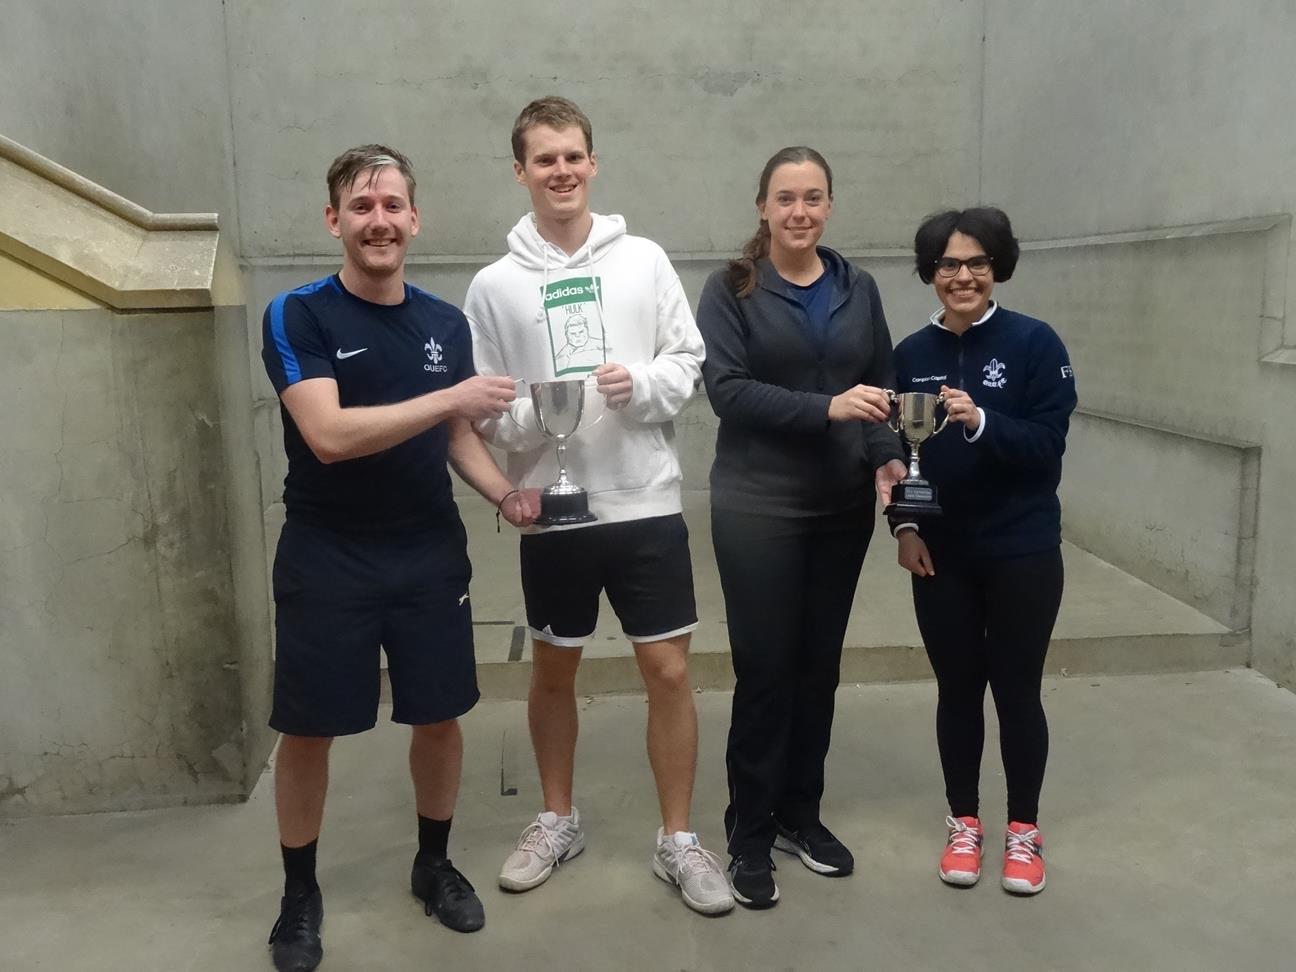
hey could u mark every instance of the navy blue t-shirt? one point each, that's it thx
(378, 355)
(816, 299)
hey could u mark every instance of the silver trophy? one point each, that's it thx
(913, 415)
(559, 407)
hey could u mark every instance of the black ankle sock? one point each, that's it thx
(434, 835)
(299, 869)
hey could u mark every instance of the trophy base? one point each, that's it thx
(561, 509)
(913, 499)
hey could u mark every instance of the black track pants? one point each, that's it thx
(788, 585)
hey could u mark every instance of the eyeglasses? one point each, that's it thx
(978, 266)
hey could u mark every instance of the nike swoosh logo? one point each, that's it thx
(343, 355)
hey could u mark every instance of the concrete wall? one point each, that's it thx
(132, 96)
(1176, 510)
(687, 99)
(156, 689)
(119, 678)
(1111, 117)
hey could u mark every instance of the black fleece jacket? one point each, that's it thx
(770, 379)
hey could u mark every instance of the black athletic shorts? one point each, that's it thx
(643, 565)
(338, 597)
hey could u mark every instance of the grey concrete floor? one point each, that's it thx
(1167, 814)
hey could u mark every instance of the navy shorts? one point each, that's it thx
(643, 565)
(339, 597)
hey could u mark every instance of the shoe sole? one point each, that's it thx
(1022, 887)
(960, 879)
(791, 847)
(701, 907)
(512, 884)
(754, 905)
(465, 929)
(297, 966)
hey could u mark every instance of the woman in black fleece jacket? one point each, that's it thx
(797, 357)
(987, 578)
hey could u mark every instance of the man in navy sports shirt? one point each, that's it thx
(378, 391)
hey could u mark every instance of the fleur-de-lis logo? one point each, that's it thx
(995, 374)
(433, 351)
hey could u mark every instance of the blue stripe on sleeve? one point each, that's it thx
(292, 370)
(411, 290)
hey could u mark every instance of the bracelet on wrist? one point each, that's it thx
(499, 507)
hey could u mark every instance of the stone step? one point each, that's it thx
(1074, 657)
(1110, 622)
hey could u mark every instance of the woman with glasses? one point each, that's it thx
(987, 573)
(797, 357)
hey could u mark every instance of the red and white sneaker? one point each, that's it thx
(961, 862)
(1023, 867)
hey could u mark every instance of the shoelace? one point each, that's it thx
(695, 859)
(1021, 848)
(536, 837)
(292, 918)
(962, 839)
(451, 885)
(737, 863)
(818, 834)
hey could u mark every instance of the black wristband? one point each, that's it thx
(499, 507)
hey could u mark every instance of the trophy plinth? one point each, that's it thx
(563, 502)
(914, 498)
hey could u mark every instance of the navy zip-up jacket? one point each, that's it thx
(997, 487)
(770, 376)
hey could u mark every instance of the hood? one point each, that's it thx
(840, 271)
(531, 251)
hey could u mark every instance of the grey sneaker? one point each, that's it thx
(680, 860)
(547, 842)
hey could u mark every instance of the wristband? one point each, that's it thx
(499, 507)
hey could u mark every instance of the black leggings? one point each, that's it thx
(989, 622)
(788, 585)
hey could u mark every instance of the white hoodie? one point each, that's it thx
(538, 314)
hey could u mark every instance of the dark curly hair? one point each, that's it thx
(985, 224)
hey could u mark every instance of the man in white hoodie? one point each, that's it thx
(574, 275)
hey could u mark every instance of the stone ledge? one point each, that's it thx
(1282, 356)
(99, 243)
(1241, 445)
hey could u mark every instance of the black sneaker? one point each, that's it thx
(447, 894)
(752, 880)
(818, 849)
(295, 942)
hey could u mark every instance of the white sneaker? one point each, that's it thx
(549, 841)
(680, 860)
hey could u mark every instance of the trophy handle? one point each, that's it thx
(893, 420)
(520, 385)
(591, 385)
(940, 400)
